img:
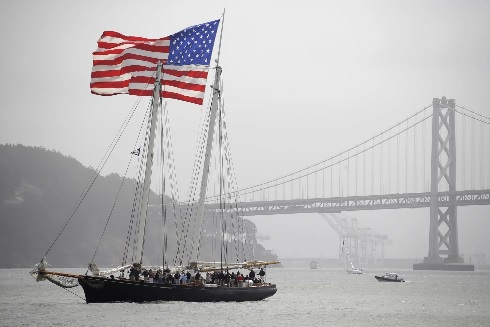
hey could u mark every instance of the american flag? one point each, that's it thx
(127, 64)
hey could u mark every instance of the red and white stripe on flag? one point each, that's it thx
(127, 65)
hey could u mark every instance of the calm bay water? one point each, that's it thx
(305, 297)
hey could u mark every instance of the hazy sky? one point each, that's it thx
(304, 80)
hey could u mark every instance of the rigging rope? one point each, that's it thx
(198, 163)
(140, 221)
(112, 210)
(66, 289)
(232, 183)
(115, 201)
(138, 198)
(174, 191)
(224, 244)
(99, 168)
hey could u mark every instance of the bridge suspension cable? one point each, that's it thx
(390, 163)
(340, 158)
(473, 148)
(338, 155)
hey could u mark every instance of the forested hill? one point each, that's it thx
(38, 191)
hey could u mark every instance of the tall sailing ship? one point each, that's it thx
(173, 67)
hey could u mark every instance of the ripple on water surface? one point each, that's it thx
(305, 297)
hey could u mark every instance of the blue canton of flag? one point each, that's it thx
(193, 45)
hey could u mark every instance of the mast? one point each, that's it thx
(207, 155)
(209, 144)
(138, 255)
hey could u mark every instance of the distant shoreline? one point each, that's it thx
(400, 263)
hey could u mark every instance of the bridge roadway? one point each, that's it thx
(356, 203)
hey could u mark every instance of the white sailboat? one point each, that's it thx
(351, 270)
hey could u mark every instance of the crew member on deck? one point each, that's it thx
(262, 274)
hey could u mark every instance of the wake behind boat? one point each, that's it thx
(187, 279)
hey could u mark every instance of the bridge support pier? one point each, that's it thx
(443, 233)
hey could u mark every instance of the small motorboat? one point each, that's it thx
(389, 277)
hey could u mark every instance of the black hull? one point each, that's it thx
(383, 279)
(102, 290)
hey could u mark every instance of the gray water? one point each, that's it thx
(305, 297)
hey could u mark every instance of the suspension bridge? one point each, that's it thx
(438, 158)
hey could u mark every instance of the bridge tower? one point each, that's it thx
(443, 230)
